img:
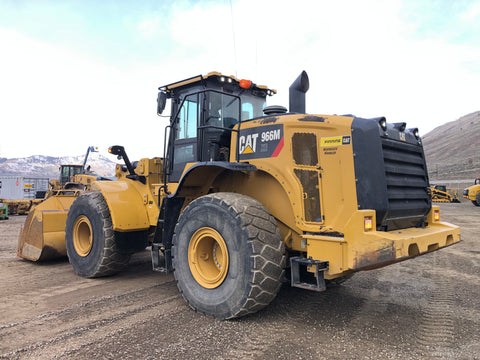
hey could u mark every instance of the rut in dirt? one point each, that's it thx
(73, 326)
(436, 333)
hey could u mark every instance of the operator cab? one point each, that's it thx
(68, 172)
(204, 113)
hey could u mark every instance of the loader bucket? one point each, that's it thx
(43, 234)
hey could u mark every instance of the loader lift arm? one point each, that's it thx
(122, 154)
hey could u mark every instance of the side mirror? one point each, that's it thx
(116, 150)
(161, 102)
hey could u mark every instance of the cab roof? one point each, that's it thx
(214, 76)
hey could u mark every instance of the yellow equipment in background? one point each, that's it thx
(246, 192)
(20, 207)
(43, 235)
(3, 210)
(67, 175)
(441, 194)
(472, 193)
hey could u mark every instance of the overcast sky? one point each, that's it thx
(86, 72)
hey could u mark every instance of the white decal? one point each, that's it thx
(248, 144)
(271, 135)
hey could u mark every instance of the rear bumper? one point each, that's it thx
(362, 250)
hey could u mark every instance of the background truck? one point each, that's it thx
(246, 194)
(473, 192)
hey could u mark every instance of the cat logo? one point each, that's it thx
(248, 150)
(260, 142)
(248, 144)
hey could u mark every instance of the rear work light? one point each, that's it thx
(436, 215)
(368, 224)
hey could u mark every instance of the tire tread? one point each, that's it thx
(111, 261)
(268, 250)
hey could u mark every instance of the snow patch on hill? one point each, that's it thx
(48, 166)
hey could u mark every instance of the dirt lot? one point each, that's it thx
(427, 307)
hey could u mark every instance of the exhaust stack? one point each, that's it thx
(297, 93)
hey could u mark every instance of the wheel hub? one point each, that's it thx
(208, 257)
(82, 236)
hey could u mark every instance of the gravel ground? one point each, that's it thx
(424, 308)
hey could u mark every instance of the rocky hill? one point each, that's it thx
(452, 150)
(48, 166)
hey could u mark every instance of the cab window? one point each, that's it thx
(187, 118)
(252, 106)
(222, 110)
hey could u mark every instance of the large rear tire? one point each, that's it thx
(228, 255)
(90, 240)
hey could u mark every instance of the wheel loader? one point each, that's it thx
(66, 179)
(247, 195)
(472, 193)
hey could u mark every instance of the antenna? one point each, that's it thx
(233, 35)
(256, 58)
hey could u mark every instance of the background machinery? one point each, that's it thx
(65, 181)
(21, 193)
(441, 194)
(246, 193)
(67, 174)
(21, 207)
(3, 210)
(473, 192)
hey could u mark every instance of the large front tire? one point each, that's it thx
(477, 201)
(90, 239)
(228, 255)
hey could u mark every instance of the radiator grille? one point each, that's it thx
(407, 183)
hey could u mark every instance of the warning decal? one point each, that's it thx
(260, 142)
(336, 140)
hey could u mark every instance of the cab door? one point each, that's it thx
(221, 113)
(185, 136)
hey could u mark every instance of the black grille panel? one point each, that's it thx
(405, 170)
(391, 176)
(407, 184)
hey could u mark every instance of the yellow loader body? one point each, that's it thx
(245, 191)
(132, 205)
(362, 249)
